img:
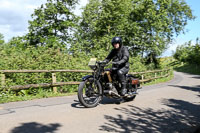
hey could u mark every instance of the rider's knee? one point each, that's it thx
(120, 72)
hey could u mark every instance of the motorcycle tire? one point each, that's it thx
(89, 93)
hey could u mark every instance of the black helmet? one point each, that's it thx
(116, 40)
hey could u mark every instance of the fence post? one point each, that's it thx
(142, 78)
(169, 71)
(54, 81)
(155, 77)
(3, 80)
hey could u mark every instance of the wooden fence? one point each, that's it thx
(144, 77)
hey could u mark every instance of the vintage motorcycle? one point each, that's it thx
(103, 82)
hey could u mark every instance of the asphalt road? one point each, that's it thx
(171, 107)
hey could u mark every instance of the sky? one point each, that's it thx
(192, 29)
(15, 14)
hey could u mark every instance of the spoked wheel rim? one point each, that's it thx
(91, 93)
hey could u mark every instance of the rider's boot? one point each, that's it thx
(123, 90)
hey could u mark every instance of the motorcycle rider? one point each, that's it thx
(119, 56)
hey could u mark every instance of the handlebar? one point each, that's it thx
(104, 63)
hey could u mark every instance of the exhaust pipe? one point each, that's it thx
(133, 93)
(130, 94)
(112, 93)
(116, 95)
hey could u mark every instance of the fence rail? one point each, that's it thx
(54, 83)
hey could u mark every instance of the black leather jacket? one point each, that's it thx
(120, 56)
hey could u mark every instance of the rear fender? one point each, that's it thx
(135, 81)
(130, 75)
(87, 77)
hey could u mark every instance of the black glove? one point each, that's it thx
(105, 61)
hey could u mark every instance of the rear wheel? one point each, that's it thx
(131, 88)
(89, 93)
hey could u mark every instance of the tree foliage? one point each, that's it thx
(188, 53)
(146, 26)
(1, 39)
(53, 23)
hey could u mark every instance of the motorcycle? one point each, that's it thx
(103, 82)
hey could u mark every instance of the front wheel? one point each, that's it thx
(89, 93)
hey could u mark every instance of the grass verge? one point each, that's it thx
(161, 80)
(6, 98)
(188, 68)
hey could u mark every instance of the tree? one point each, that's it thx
(52, 23)
(99, 23)
(146, 26)
(1, 39)
(188, 53)
(18, 42)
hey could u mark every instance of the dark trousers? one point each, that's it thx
(121, 74)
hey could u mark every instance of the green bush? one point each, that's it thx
(42, 58)
(188, 53)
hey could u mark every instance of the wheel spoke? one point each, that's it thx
(91, 92)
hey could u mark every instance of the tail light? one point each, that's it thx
(135, 81)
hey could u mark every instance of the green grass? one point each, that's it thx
(161, 80)
(188, 68)
(6, 97)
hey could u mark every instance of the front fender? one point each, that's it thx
(87, 77)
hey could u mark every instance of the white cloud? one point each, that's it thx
(14, 15)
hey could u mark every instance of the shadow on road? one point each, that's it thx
(196, 77)
(77, 104)
(34, 127)
(195, 89)
(181, 117)
(105, 100)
